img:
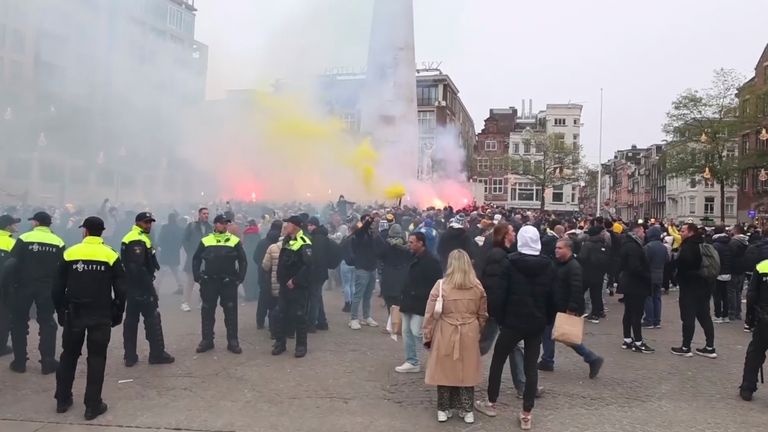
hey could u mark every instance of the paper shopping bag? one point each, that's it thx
(568, 329)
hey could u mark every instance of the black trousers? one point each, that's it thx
(293, 307)
(74, 335)
(266, 301)
(225, 292)
(594, 284)
(5, 325)
(505, 343)
(634, 307)
(22, 302)
(755, 356)
(694, 306)
(153, 327)
(720, 297)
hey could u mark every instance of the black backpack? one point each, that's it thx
(334, 255)
(599, 257)
(346, 251)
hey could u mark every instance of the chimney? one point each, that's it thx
(522, 115)
(530, 107)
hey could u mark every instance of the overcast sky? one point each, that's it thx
(501, 51)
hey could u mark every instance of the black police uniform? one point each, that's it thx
(219, 265)
(757, 320)
(140, 264)
(294, 264)
(6, 245)
(89, 301)
(37, 255)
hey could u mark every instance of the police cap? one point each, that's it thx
(7, 220)
(144, 217)
(221, 219)
(42, 218)
(94, 225)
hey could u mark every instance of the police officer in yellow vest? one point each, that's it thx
(140, 264)
(7, 228)
(219, 265)
(89, 301)
(757, 320)
(294, 268)
(36, 257)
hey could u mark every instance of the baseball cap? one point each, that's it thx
(295, 220)
(42, 218)
(221, 219)
(93, 224)
(145, 216)
(313, 221)
(7, 220)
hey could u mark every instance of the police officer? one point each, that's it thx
(36, 257)
(294, 269)
(140, 262)
(219, 266)
(7, 228)
(89, 301)
(757, 320)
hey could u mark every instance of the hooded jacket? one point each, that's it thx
(569, 290)
(320, 254)
(689, 263)
(657, 254)
(494, 276)
(635, 277)
(528, 305)
(739, 245)
(395, 258)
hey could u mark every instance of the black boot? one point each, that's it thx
(49, 366)
(230, 321)
(301, 351)
(94, 411)
(745, 394)
(347, 308)
(163, 358)
(19, 366)
(63, 406)
(204, 345)
(154, 332)
(131, 361)
(278, 348)
(233, 346)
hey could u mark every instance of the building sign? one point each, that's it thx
(752, 213)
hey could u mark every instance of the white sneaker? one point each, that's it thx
(717, 320)
(408, 368)
(469, 418)
(443, 416)
(355, 325)
(185, 307)
(726, 320)
(369, 322)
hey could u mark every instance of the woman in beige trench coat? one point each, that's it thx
(453, 338)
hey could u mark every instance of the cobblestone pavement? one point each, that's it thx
(347, 383)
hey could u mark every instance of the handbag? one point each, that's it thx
(439, 302)
(568, 329)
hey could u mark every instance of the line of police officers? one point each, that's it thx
(90, 287)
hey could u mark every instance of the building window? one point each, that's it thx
(709, 184)
(175, 18)
(559, 122)
(515, 147)
(526, 192)
(557, 194)
(526, 147)
(744, 145)
(573, 194)
(426, 96)
(490, 145)
(730, 206)
(483, 164)
(576, 122)
(484, 182)
(427, 120)
(575, 140)
(692, 205)
(709, 205)
(498, 164)
(497, 186)
(351, 122)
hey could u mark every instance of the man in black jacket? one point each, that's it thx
(569, 298)
(595, 258)
(721, 242)
(423, 273)
(193, 233)
(695, 292)
(320, 250)
(635, 282)
(455, 237)
(739, 266)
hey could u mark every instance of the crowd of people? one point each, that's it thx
(462, 283)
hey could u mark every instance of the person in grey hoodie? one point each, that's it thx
(658, 256)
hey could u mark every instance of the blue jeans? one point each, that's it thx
(316, 316)
(653, 306)
(365, 281)
(412, 337)
(347, 281)
(548, 348)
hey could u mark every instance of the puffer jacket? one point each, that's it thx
(452, 239)
(494, 276)
(529, 299)
(269, 264)
(657, 254)
(721, 245)
(635, 276)
(739, 245)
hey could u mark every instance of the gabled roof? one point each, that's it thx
(763, 57)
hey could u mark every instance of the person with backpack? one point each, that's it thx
(658, 256)
(697, 268)
(595, 258)
(721, 242)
